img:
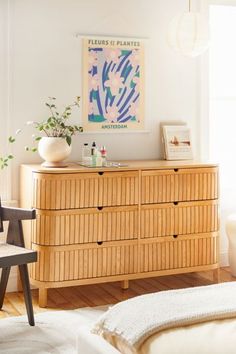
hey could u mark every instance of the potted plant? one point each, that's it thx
(55, 146)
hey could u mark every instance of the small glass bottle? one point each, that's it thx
(94, 153)
(103, 152)
(86, 156)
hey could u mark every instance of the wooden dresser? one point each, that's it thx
(94, 225)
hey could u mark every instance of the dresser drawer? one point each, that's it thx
(179, 218)
(161, 186)
(84, 190)
(84, 262)
(181, 252)
(64, 227)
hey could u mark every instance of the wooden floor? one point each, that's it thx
(108, 293)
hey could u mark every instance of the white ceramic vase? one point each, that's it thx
(54, 150)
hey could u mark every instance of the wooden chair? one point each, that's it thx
(13, 253)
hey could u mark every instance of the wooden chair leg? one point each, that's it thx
(3, 283)
(27, 294)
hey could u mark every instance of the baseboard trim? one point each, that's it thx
(224, 261)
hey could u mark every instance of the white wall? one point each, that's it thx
(4, 94)
(45, 60)
(41, 57)
(227, 203)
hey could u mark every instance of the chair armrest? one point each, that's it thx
(14, 214)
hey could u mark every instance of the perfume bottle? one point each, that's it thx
(103, 152)
(94, 154)
(86, 157)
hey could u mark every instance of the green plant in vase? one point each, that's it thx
(54, 138)
(56, 125)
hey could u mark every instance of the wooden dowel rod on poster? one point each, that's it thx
(77, 35)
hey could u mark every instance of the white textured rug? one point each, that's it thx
(55, 331)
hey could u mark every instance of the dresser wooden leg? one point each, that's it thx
(43, 294)
(27, 294)
(125, 284)
(216, 275)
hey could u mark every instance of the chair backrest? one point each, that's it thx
(15, 230)
(1, 223)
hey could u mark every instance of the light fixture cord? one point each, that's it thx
(189, 5)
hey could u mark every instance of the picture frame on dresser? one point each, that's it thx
(164, 123)
(177, 142)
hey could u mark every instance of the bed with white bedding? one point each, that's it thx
(187, 321)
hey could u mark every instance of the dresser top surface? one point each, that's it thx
(128, 165)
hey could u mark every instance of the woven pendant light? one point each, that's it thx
(188, 33)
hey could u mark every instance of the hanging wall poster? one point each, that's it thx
(113, 95)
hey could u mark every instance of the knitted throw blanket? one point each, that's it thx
(134, 320)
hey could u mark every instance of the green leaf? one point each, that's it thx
(11, 139)
(10, 157)
(38, 138)
(68, 140)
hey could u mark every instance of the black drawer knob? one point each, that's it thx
(175, 203)
(99, 243)
(100, 173)
(176, 169)
(100, 208)
(175, 236)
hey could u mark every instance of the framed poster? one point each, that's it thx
(113, 78)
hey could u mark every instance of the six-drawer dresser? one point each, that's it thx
(149, 218)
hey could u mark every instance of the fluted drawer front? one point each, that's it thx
(180, 252)
(161, 186)
(72, 263)
(64, 227)
(84, 190)
(184, 218)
